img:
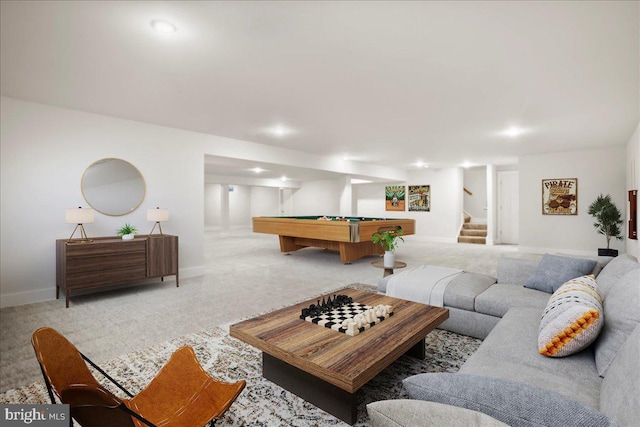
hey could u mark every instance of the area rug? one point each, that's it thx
(263, 403)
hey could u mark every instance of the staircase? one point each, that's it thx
(473, 232)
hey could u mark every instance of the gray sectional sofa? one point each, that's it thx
(508, 381)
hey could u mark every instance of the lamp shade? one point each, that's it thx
(78, 216)
(158, 215)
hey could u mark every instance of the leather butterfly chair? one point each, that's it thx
(181, 395)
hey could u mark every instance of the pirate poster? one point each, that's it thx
(560, 196)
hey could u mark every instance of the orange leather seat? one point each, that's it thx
(181, 395)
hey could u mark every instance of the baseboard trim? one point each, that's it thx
(28, 297)
(49, 294)
(538, 250)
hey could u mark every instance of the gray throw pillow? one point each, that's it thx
(514, 403)
(418, 413)
(613, 272)
(621, 317)
(554, 270)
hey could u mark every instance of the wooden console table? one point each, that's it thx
(112, 261)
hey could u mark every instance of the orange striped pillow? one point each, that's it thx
(572, 319)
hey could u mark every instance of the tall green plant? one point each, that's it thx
(608, 217)
(389, 240)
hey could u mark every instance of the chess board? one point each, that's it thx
(333, 319)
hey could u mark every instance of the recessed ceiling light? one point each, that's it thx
(513, 131)
(279, 130)
(466, 164)
(257, 170)
(422, 164)
(163, 27)
(283, 178)
(360, 181)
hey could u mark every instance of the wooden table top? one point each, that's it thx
(339, 359)
(396, 264)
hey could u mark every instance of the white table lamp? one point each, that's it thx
(79, 216)
(158, 215)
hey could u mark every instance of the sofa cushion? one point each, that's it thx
(572, 319)
(511, 352)
(621, 316)
(464, 288)
(620, 392)
(499, 298)
(613, 272)
(514, 403)
(419, 413)
(601, 261)
(554, 270)
(515, 271)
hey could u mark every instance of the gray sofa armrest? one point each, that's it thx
(515, 271)
(419, 413)
(514, 403)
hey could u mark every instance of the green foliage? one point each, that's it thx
(608, 217)
(389, 240)
(126, 229)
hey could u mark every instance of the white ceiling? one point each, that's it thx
(380, 82)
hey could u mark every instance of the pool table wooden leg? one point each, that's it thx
(287, 244)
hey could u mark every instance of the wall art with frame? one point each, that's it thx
(394, 198)
(420, 198)
(560, 196)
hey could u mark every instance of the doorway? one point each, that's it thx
(508, 207)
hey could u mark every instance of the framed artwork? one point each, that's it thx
(419, 198)
(560, 196)
(394, 198)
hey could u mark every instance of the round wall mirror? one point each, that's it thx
(113, 187)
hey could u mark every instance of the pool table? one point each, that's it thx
(351, 236)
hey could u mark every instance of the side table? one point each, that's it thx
(388, 270)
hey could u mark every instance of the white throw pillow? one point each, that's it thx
(572, 319)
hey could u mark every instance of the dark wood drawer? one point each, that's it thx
(90, 279)
(77, 265)
(106, 248)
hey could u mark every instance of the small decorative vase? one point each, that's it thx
(389, 259)
(127, 236)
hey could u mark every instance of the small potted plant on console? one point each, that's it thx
(127, 231)
(389, 240)
(607, 221)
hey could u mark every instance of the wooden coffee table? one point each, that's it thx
(326, 367)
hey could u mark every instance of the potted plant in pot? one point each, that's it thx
(607, 221)
(127, 231)
(389, 241)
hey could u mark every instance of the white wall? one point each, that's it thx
(598, 171)
(212, 205)
(321, 197)
(633, 183)
(264, 201)
(475, 180)
(240, 206)
(442, 223)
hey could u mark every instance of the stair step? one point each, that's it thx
(474, 226)
(473, 232)
(472, 239)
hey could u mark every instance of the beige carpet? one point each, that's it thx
(245, 274)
